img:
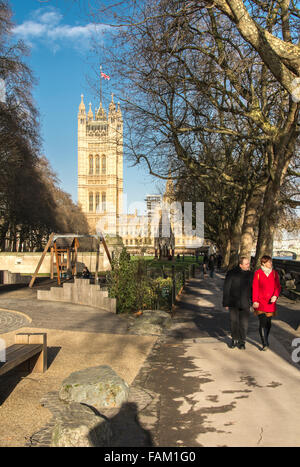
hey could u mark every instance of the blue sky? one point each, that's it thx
(59, 33)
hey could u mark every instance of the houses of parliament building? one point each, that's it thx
(100, 183)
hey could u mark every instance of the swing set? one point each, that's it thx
(64, 251)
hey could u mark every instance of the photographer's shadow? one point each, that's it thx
(126, 428)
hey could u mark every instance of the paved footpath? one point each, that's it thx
(192, 390)
(211, 395)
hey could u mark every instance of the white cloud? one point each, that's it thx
(47, 27)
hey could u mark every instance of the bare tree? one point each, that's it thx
(278, 47)
(189, 75)
(29, 195)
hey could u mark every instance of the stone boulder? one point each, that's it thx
(81, 427)
(99, 387)
(151, 322)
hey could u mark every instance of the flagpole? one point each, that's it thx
(100, 84)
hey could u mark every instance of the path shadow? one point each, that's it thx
(8, 382)
(126, 428)
(52, 353)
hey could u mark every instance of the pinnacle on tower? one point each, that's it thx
(169, 192)
(81, 106)
(101, 114)
(90, 113)
(112, 105)
(119, 113)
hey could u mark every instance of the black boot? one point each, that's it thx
(265, 345)
(233, 344)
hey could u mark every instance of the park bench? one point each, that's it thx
(29, 353)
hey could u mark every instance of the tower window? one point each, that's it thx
(91, 165)
(97, 165)
(103, 165)
(103, 202)
(97, 202)
(91, 202)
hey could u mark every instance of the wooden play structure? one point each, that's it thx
(64, 251)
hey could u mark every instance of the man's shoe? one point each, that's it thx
(233, 344)
(241, 346)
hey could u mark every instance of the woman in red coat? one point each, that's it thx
(265, 292)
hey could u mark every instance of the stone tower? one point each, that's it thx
(100, 166)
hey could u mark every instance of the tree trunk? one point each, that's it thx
(226, 254)
(251, 218)
(3, 234)
(267, 222)
(236, 237)
(282, 153)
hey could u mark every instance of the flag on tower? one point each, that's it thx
(103, 75)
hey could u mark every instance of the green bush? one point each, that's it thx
(138, 286)
(128, 283)
(162, 292)
(121, 282)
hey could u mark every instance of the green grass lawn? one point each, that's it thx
(179, 264)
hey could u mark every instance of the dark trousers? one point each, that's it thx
(239, 324)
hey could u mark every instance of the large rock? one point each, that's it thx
(151, 322)
(99, 387)
(80, 427)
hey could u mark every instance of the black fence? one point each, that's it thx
(287, 265)
(171, 282)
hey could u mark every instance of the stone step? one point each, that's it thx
(44, 294)
(80, 292)
(84, 283)
(57, 293)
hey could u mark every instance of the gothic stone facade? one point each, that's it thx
(100, 165)
(100, 181)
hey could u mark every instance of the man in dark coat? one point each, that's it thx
(237, 299)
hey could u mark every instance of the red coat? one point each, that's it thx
(263, 288)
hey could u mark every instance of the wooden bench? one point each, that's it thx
(29, 353)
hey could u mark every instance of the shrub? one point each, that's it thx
(128, 283)
(121, 282)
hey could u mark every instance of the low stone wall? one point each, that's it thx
(7, 277)
(80, 292)
(26, 263)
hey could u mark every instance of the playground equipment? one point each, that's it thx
(64, 250)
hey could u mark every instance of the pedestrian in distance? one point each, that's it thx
(265, 292)
(205, 264)
(85, 273)
(211, 265)
(237, 299)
